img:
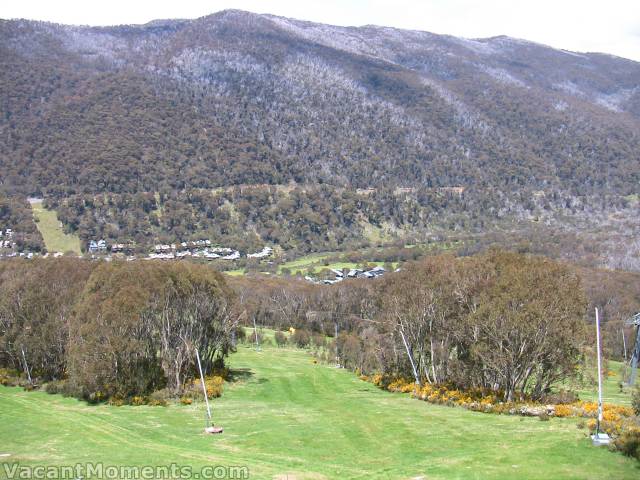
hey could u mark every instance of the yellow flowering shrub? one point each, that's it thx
(214, 386)
(616, 418)
(563, 411)
(402, 385)
(377, 379)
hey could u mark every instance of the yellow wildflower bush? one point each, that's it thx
(563, 411)
(616, 418)
(402, 385)
(214, 385)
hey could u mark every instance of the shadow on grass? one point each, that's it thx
(239, 374)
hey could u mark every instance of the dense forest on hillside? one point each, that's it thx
(15, 214)
(141, 132)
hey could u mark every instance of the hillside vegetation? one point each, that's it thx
(363, 133)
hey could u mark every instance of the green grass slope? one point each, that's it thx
(284, 414)
(611, 392)
(55, 239)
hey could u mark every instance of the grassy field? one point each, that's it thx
(285, 415)
(317, 262)
(55, 239)
(610, 386)
(305, 262)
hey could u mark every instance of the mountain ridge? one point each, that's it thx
(236, 98)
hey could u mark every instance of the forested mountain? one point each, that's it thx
(177, 108)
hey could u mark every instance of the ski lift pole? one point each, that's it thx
(255, 332)
(599, 373)
(336, 340)
(204, 389)
(600, 438)
(413, 365)
(26, 365)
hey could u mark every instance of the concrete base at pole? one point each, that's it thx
(600, 439)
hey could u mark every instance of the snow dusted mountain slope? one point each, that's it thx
(236, 98)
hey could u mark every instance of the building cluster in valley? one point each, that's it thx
(6, 239)
(100, 248)
(340, 275)
(203, 249)
(8, 245)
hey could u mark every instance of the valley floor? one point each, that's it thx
(285, 415)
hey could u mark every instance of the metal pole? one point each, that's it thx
(204, 388)
(26, 365)
(624, 353)
(634, 358)
(413, 365)
(599, 373)
(255, 332)
(337, 356)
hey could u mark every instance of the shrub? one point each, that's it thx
(318, 340)
(221, 371)
(560, 398)
(402, 385)
(635, 399)
(629, 443)
(281, 339)
(241, 335)
(301, 338)
(563, 411)
(159, 398)
(213, 384)
(61, 387)
(138, 400)
(251, 338)
(96, 397)
(186, 400)
(544, 417)
(54, 387)
(9, 377)
(116, 401)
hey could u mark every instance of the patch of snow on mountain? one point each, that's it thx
(560, 105)
(502, 76)
(464, 115)
(338, 38)
(569, 87)
(477, 46)
(574, 54)
(615, 101)
(92, 43)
